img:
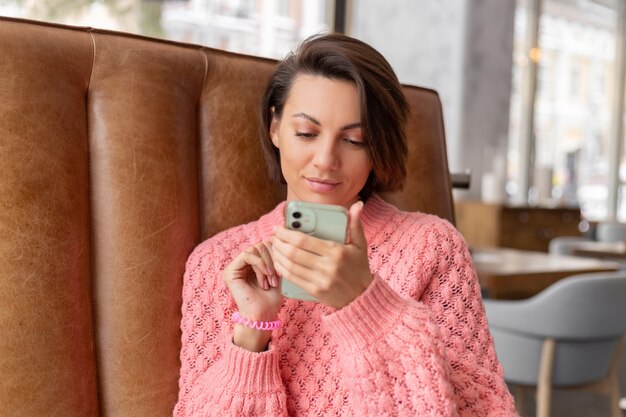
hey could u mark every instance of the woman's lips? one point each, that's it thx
(321, 186)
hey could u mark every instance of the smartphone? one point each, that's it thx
(320, 220)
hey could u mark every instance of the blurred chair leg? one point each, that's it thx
(520, 398)
(615, 408)
(544, 385)
(609, 385)
(614, 393)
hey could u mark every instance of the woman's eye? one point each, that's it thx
(305, 134)
(354, 142)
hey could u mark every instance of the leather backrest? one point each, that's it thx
(118, 155)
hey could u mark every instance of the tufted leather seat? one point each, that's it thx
(118, 154)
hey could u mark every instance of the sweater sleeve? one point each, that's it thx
(218, 378)
(432, 355)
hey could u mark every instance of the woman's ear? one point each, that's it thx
(274, 128)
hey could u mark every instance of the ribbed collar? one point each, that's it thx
(376, 213)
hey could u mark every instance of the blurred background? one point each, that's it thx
(532, 93)
(532, 90)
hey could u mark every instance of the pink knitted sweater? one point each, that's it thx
(415, 343)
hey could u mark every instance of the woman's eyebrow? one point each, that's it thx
(310, 118)
(315, 121)
(351, 126)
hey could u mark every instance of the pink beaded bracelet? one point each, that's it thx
(259, 325)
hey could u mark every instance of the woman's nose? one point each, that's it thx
(326, 156)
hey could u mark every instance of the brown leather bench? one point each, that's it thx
(118, 154)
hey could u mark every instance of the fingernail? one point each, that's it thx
(265, 285)
(275, 280)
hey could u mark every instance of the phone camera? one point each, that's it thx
(296, 225)
(297, 215)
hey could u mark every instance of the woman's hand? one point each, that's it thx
(254, 285)
(335, 274)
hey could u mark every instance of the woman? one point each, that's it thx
(400, 327)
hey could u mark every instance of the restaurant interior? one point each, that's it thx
(526, 103)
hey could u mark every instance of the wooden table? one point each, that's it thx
(611, 250)
(514, 274)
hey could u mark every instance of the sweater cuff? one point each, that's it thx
(251, 372)
(367, 317)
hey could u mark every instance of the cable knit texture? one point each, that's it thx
(415, 343)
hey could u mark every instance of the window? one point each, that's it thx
(269, 28)
(572, 108)
(574, 80)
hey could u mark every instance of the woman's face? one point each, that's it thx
(319, 137)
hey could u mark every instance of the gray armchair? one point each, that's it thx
(568, 336)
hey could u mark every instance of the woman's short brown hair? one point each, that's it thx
(384, 109)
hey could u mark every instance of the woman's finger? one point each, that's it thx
(264, 253)
(305, 283)
(299, 256)
(260, 277)
(355, 226)
(286, 267)
(253, 258)
(267, 266)
(275, 277)
(268, 263)
(303, 241)
(239, 262)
